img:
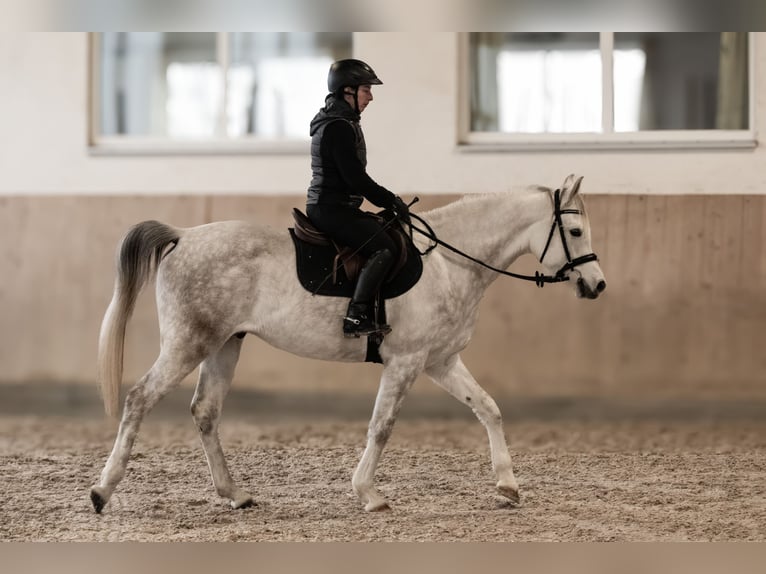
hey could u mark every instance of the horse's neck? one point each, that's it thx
(494, 228)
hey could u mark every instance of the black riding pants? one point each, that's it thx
(351, 227)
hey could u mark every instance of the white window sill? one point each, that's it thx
(650, 140)
(136, 146)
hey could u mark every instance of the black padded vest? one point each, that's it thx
(327, 186)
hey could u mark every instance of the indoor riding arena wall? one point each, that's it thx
(681, 236)
(682, 317)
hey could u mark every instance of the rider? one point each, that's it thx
(340, 183)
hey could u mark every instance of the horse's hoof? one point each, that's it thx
(246, 503)
(98, 499)
(510, 493)
(379, 506)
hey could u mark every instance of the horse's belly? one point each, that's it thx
(315, 346)
(306, 326)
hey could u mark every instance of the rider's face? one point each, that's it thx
(364, 97)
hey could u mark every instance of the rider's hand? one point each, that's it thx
(401, 210)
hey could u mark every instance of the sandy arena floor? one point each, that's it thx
(580, 481)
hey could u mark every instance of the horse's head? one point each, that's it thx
(563, 244)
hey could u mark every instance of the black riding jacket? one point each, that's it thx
(339, 160)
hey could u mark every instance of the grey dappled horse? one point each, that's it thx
(218, 281)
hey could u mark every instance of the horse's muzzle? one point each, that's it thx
(584, 291)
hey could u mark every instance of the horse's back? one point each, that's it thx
(228, 243)
(235, 233)
(223, 260)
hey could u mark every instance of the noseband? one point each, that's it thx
(539, 278)
(571, 263)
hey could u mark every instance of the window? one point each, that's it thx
(607, 89)
(209, 91)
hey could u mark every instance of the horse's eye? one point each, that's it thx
(576, 232)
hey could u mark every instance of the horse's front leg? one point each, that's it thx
(215, 375)
(454, 377)
(398, 376)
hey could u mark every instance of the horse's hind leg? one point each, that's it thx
(455, 378)
(397, 378)
(167, 372)
(215, 377)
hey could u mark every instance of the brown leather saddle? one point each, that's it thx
(338, 275)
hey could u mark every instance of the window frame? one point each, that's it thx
(470, 141)
(99, 144)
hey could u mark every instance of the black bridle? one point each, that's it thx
(539, 278)
(557, 213)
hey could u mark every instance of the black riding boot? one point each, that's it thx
(360, 318)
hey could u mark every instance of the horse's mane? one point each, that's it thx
(465, 204)
(468, 199)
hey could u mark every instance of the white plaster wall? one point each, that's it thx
(411, 129)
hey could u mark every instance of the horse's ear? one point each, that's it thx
(570, 188)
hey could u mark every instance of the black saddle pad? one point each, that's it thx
(315, 267)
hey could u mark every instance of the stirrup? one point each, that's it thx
(363, 327)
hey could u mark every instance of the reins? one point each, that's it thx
(539, 279)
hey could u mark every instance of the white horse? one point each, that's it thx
(218, 281)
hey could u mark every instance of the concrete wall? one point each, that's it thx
(681, 237)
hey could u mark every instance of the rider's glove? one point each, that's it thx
(401, 210)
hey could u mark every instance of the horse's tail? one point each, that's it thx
(138, 258)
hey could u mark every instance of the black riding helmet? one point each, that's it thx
(352, 73)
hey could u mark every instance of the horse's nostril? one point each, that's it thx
(601, 286)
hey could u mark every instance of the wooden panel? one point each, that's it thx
(683, 314)
(57, 267)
